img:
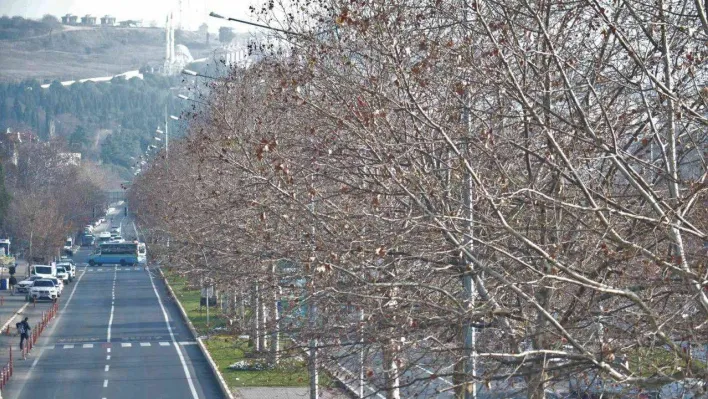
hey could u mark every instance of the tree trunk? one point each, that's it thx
(255, 306)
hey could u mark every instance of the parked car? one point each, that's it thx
(70, 268)
(43, 289)
(57, 283)
(63, 274)
(25, 285)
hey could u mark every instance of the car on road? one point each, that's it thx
(25, 285)
(88, 228)
(63, 275)
(88, 240)
(70, 268)
(57, 283)
(69, 246)
(103, 237)
(43, 289)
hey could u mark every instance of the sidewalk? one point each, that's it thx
(12, 309)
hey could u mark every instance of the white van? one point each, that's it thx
(44, 271)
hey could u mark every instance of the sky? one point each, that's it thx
(194, 11)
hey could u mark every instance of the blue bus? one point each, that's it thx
(122, 253)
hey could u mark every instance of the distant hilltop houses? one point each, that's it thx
(106, 20)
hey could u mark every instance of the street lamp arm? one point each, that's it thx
(215, 15)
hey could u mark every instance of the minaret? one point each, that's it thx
(181, 15)
(167, 39)
(172, 40)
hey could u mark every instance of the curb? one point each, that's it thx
(222, 383)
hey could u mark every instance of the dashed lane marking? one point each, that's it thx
(107, 345)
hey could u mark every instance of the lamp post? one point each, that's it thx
(215, 15)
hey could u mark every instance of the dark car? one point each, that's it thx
(88, 240)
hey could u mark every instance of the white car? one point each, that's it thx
(62, 274)
(70, 268)
(57, 283)
(43, 289)
(25, 285)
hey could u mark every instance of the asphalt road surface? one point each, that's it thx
(116, 336)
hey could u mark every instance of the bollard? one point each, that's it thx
(2, 300)
(34, 302)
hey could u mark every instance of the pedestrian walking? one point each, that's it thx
(13, 282)
(23, 328)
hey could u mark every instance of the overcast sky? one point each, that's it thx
(194, 11)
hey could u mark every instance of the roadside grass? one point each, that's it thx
(189, 298)
(227, 349)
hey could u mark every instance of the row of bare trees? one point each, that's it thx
(52, 196)
(486, 195)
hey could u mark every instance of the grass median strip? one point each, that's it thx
(227, 349)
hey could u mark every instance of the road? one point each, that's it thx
(116, 336)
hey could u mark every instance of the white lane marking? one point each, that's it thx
(108, 357)
(50, 332)
(69, 346)
(144, 344)
(4, 326)
(113, 306)
(107, 368)
(88, 345)
(164, 344)
(188, 343)
(99, 270)
(174, 341)
(105, 384)
(126, 344)
(108, 350)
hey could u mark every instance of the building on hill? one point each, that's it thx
(131, 23)
(70, 19)
(69, 158)
(108, 20)
(88, 19)
(10, 141)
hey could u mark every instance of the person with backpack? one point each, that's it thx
(23, 328)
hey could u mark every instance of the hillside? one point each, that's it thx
(80, 52)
